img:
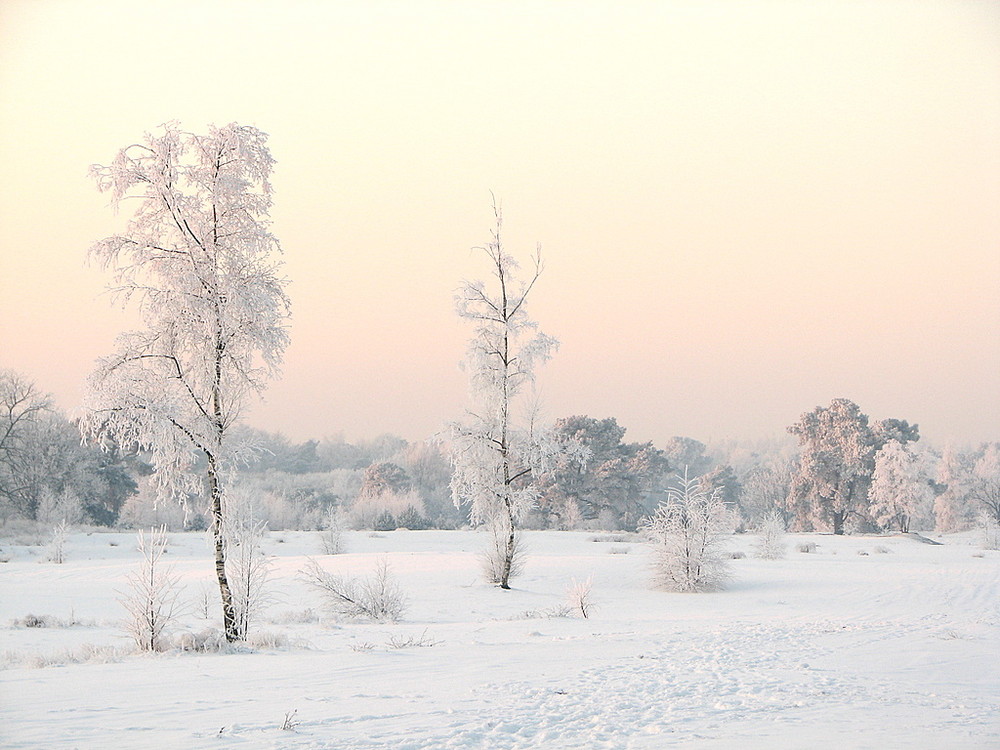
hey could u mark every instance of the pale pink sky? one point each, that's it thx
(746, 209)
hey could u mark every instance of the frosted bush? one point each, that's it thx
(770, 544)
(331, 538)
(379, 511)
(57, 543)
(989, 531)
(579, 597)
(689, 531)
(377, 597)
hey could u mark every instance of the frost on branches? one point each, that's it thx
(689, 531)
(198, 259)
(496, 460)
(900, 491)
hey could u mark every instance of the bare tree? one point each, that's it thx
(496, 460)
(986, 481)
(151, 600)
(199, 259)
(22, 407)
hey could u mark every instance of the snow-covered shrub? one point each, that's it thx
(331, 538)
(377, 597)
(31, 621)
(151, 601)
(770, 544)
(569, 516)
(738, 555)
(57, 543)
(385, 521)
(500, 555)
(209, 641)
(689, 531)
(989, 531)
(579, 597)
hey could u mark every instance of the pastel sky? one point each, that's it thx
(746, 209)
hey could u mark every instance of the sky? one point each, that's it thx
(745, 210)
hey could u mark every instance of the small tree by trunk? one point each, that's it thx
(247, 568)
(151, 601)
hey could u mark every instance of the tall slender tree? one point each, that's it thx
(496, 459)
(199, 259)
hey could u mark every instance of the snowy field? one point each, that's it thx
(898, 648)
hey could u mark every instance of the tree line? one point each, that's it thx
(48, 474)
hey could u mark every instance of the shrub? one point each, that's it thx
(331, 539)
(770, 544)
(246, 566)
(689, 532)
(411, 519)
(377, 597)
(57, 543)
(579, 597)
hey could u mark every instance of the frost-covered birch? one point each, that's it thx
(198, 259)
(900, 490)
(496, 458)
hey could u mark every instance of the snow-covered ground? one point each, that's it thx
(837, 649)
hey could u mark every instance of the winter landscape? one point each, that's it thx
(307, 441)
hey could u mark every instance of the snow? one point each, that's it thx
(831, 649)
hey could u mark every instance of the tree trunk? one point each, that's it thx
(508, 557)
(228, 610)
(838, 522)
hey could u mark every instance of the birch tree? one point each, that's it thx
(496, 458)
(199, 260)
(900, 491)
